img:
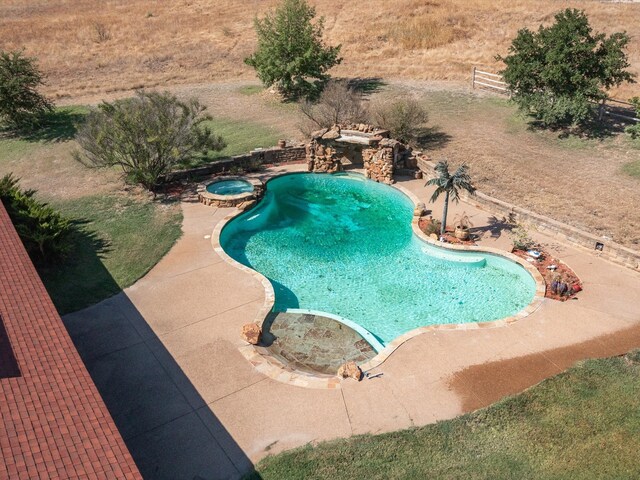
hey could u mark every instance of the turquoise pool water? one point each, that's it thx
(344, 245)
(229, 187)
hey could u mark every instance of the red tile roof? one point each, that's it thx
(53, 422)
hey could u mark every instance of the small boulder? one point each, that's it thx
(251, 333)
(319, 133)
(331, 134)
(350, 370)
(419, 210)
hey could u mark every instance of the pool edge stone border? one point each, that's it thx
(276, 370)
(223, 201)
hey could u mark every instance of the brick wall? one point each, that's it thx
(53, 422)
(611, 250)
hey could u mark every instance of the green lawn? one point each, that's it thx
(121, 238)
(60, 127)
(581, 424)
(242, 136)
(251, 89)
(122, 235)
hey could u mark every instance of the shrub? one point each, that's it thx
(556, 73)
(291, 54)
(147, 136)
(21, 106)
(46, 234)
(634, 130)
(433, 226)
(521, 239)
(403, 116)
(338, 103)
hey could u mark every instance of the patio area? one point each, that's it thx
(165, 356)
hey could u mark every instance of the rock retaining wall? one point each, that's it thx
(322, 158)
(251, 160)
(379, 155)
(611, 250)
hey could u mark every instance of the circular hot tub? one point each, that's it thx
(229, 191)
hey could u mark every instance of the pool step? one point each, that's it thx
(465, 260)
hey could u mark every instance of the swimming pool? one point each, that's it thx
(344, 245)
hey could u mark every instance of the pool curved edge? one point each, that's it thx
(262, 361)
(273, 368)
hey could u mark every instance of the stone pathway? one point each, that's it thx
(164, 355)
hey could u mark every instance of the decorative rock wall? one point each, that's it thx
(379, 155)
(322, 158)
(286, 154)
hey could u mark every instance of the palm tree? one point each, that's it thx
(450, 185)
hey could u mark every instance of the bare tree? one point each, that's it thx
(338, 103)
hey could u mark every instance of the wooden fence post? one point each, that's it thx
(473, 78)
(601, 110)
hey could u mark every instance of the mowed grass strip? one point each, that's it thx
(581, 424)
(242, 136)
(120, 239)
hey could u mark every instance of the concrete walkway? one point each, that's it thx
(164, 355)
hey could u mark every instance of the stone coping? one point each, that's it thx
(232, 200)
(276, 370)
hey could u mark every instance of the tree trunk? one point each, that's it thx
(444, 214)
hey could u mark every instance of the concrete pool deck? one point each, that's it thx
(165, 356)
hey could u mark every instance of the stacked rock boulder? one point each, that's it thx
(321, 158)
(380, 155)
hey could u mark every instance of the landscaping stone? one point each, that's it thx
(350, 370)
(251, 333)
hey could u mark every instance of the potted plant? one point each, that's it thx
(462, 223)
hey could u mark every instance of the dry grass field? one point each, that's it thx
(95, 49)
(98, 46)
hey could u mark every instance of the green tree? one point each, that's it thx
(558, 72)
(634, 130)
(147, 136)
(46, 235)
(291, 54)
(21, 105)
(450, 185)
